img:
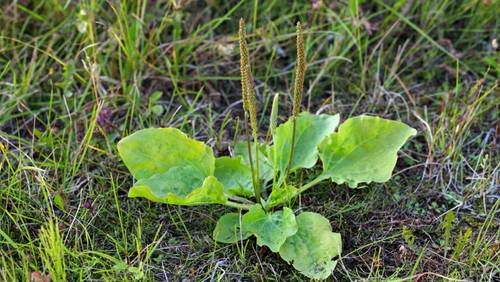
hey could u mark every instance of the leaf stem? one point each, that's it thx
(238, 205)
(313, 182)
(303, 188)
(241, 200)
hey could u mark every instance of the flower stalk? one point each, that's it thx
(249, 107)
(300, 70)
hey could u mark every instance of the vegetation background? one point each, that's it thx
(76, 76)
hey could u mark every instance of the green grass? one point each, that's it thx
(76, 76)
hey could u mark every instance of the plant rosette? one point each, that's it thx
(172, 168)
(169, 167)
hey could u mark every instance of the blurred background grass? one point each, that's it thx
(76, 76)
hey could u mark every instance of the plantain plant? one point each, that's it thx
(174, 169)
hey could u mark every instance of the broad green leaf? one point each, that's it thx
(271, 229)
(180, 186)
(281, 195)
(228, 229)
(235, 175)
(156, 150)
(265, 165)
(309, 132)
(313, 247)
(363, 150)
